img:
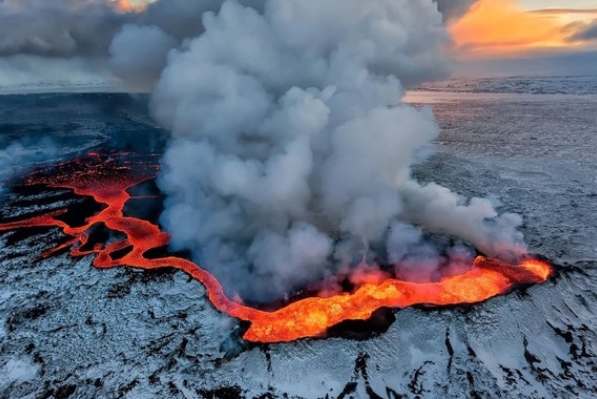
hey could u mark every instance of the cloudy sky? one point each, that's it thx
(493, 28)
(507, 30)
(69, 40)
(527, 37)
(537, 4)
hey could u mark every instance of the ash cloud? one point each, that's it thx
(292, 150)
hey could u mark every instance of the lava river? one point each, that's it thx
(108, 179)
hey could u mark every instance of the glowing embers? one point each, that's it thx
(108, 179)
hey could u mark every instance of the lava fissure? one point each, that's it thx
(108, 181)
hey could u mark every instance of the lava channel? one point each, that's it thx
(107, 180)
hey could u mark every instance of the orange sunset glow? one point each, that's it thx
(129, 5)
(504, 27)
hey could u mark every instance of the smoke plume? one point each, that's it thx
(292, 150)
(103, 37)
(18, 155)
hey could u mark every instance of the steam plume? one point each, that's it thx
(99, 37)
(18, 155)
(292, 151)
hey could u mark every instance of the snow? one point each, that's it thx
(17, 370)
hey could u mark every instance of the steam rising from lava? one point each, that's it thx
(107, 180)
(291, 161)
(16, 156)
(292, 151)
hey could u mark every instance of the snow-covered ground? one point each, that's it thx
(68, 330)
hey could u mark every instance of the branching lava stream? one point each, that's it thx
(107, 180)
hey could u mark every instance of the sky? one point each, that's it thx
(517, 36)
(539, 4)
(526, 37)
(71, 40)
(497, 28)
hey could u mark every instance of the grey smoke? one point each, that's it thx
(46, 42)
(138, 63)
(93, 33)
(57, 28)
(140, 49)
(292, 150)
(17, 156)
(452, 9)
(418, 259)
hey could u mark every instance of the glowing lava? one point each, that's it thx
(107, 181)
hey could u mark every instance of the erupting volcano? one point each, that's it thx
(107, 180)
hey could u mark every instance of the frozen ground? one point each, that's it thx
(67, 330)
(576, 85)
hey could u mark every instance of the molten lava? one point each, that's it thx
(107, 180)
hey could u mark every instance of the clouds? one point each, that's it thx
(586, 32)
(94, 37)
(24, 71)
(498, 28)
(56, 41)
(452, 9)
(102, 32)
(98, 36)
(57, 28)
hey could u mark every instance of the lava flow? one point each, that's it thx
(107, 181)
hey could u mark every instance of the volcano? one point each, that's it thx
(107, 179)
(68, 328)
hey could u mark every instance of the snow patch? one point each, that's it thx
(18, 370)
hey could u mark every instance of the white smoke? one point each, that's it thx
(170, 22)
(17, 156)
(136, 62)
(98, 38)
(292, 150)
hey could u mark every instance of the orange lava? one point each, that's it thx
(107, 181)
